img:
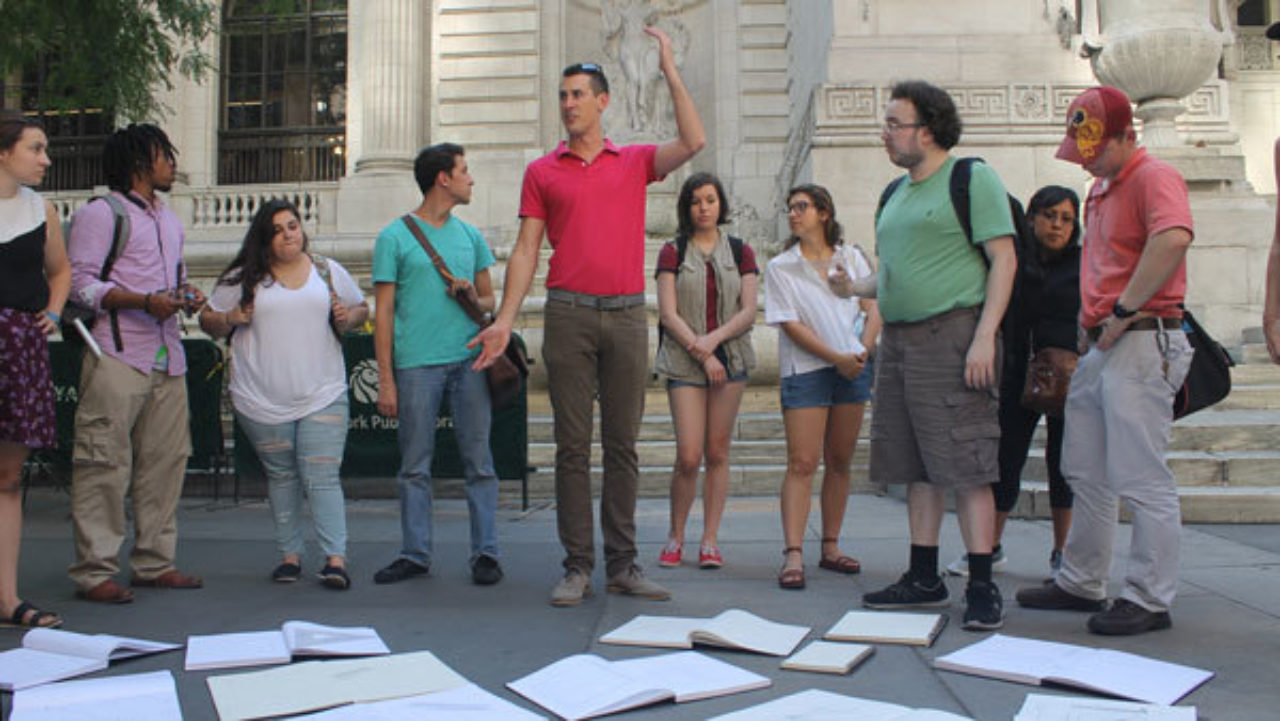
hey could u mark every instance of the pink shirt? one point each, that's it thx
(150, 262)
(1145, 198)
(594, 214)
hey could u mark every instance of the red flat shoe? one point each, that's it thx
(670, 556)
(709, 557)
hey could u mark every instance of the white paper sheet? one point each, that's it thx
(150, 696)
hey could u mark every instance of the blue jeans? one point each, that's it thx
(304, 455)
(419, 391)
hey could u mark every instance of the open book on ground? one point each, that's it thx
(827, 657)
(318, 685)
(464, 703)
(912, 629)
(734, 629)
(815, 705)
(1039, 707)
(586, 686)
(295, 638)
(49, 655)
(150, 696)
(1127, 675)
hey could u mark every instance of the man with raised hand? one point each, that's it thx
(588, 198)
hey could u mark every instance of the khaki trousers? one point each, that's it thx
(132, 438)
(589, 351)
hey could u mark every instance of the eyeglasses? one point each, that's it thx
(893, 126)
(798, 207)
(1052, 217)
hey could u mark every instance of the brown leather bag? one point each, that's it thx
(510, 369)
(1048, 380)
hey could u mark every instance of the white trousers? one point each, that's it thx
(1118, 420)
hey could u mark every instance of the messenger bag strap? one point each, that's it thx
(450, 280)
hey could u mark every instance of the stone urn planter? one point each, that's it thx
(1156, 52)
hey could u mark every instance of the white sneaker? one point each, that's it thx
(960, 566)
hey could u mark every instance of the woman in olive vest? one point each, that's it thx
(707, 285)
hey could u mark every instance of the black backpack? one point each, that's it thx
(1029, 272)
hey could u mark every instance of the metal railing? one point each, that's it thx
(286, 155)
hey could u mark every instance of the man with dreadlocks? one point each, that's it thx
(131, 424)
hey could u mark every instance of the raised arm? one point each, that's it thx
(692, 138)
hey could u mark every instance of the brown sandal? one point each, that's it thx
(791, 578)
(839, 564)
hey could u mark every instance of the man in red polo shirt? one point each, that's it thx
(1134, 355)
(588, 197)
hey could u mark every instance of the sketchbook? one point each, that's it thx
(1039, 707)
(585, 686)
(48, 655)
(296, 638)
(912, 629)
(1116, 673)
(826, 657)
(317, 685)
(151, 696)
(815, 705)
(734, 629)
(464, 703)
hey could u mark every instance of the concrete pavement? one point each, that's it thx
(1226, 619)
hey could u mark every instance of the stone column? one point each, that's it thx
(388, 79)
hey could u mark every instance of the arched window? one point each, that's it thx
(284, 91)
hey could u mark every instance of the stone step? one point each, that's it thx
(1255, 372)
(744, 480)
(1249, 468)
(1200, 504)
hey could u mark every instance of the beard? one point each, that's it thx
(906, 159)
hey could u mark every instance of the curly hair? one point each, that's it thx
(935, 110)
(130, 152)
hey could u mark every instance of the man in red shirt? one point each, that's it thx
(1134, 356)
(588, 197)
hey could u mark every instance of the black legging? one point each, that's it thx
(1017, 426)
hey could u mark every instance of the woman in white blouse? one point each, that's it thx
(825, 343)
(284, 309)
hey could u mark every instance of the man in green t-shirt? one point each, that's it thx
(936, 395)
(420, 340)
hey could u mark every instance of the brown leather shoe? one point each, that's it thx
(107, 592)
(172, 578)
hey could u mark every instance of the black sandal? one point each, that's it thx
(28, 616)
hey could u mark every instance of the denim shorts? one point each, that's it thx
(825, 387)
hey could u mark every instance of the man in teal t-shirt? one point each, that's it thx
(936, 425)
(420, 339)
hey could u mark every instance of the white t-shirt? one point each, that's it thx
(795, 291)
(286, 363)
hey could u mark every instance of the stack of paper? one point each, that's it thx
(814, 705)
(49, 655)
(296, 638)
(913, 629)
(1116, 673)
(586, 686)
(734, 629)
(150, 696)
(1039, 707)
(824, 657)
(318, 685)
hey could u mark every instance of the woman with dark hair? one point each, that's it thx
(284, 309)
(35, 279)
(707, 284)
(825, 343)
(1047, 314)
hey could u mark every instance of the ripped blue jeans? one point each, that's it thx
(304, 456)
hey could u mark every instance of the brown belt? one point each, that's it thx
(1140, 324)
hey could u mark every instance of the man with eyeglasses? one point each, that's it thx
(935, 425)
(1133, 357)
(588, 197)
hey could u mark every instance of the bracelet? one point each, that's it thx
(56, 318)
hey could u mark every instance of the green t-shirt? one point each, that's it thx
(926, 265)
(431, 328)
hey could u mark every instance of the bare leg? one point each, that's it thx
(976, 511)
(1061, 525)
(843, 426)
(924, 513)
(689, 415)
(805, 429)
(1002, 517)
(722, 412)
(12, 456)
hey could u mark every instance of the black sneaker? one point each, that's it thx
(908, 592)
(335, 577)
(485, 571)
(1126, 618)
(399, 570)
(984, 607)
(286, 573)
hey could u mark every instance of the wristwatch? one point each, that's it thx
(1122, 312)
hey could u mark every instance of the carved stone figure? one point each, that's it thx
(643, 99)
